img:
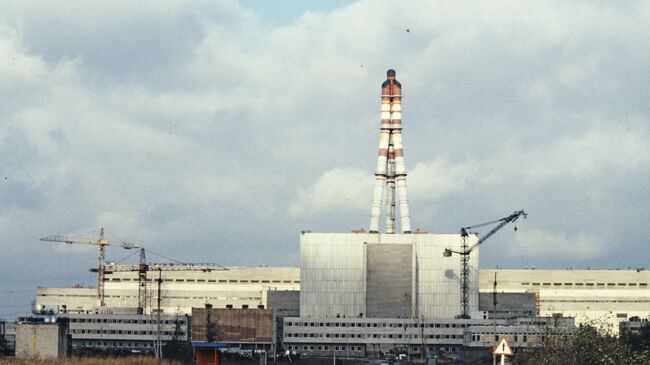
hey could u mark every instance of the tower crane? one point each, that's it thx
(143, 268)
(466, 250)
(101, 243)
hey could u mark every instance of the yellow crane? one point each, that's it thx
(101, 243)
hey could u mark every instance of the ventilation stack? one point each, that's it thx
(391, 170)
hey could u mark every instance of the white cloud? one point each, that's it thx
(338, 190)
(593, 152)
(434, 179)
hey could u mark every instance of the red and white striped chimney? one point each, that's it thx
(391, 170)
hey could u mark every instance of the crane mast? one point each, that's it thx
(143, 268)
(466, 250)
(101, 244)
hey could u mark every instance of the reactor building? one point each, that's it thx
(396, 273)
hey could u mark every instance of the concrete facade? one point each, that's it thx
(509, 305)
(602, 297)
(181, 290)
(612, 295)
(367, 337)
(41, 340)
(349, 275)
(119, 332)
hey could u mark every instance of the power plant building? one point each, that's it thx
(382, 275)
(180, 290)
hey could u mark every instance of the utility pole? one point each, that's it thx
(159, 348)
(494, 313)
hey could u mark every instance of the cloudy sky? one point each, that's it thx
(215, 131)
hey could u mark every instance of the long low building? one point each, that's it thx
(113, 332)
(603, 295)
(180, 289)
(368, 337)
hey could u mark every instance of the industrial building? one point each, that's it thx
(251, 329)
(366, 292)
(42, 338)
(180, 290)
(607, 296)
(368, 337)
(381, 276)
(112, 332)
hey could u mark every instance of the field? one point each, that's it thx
(90, 361)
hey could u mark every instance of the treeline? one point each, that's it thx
(590, 345)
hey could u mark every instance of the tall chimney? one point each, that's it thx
(391, 170)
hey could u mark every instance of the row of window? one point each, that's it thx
(166, 297)
(111, 344)
(374, 324)
(484, 338)
(325, 348)
(211, 281)
(586, 284)
(122, 320)
(595, 301)
(122, 332)
(370, 335)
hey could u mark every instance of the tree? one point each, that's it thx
(588, 345)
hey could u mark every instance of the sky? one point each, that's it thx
(216, 131)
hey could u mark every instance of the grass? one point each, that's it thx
(91, 361)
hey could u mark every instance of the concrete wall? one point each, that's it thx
(181, 290)
(509, 305)
(389, 289)
(42, 340)
(252, 326)
(332, 274)
(284, 301)
(347, 275)
(602, 297)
